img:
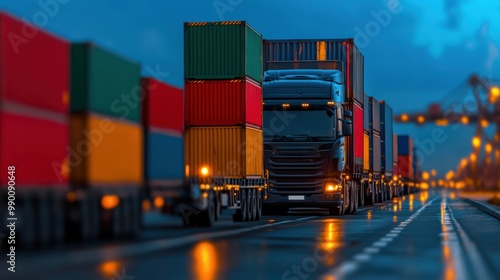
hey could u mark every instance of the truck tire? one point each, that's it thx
(218, 208)
(350, 207)
(253, 204)
(207, 217)
(361, 194)
(259, 205)
(242, 212)
(356, 198)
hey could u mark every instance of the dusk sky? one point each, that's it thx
(418, 56)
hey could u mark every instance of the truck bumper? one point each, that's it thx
(325, 200)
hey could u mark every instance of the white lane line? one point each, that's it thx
(454, 260)
(478, 264)
(380, 244)
(371, 250)
(362, 257)
(340, 272)
(392, 234)
(97, 255)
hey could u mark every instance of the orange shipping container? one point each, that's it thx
(105, 151)
(366, 152)
(226, 151)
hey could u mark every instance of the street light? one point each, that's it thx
(476, 142)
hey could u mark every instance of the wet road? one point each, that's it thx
(428, 235)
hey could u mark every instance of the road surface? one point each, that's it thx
(428, 235)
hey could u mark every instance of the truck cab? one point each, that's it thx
(304, 128)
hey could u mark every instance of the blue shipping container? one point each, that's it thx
(164, 157)
(405, 145)
(344, 50)
(386, 138)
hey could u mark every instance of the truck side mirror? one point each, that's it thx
(346, 128)
(347, 113)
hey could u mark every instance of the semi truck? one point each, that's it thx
(305, 123)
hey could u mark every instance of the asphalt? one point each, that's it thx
(428, 235)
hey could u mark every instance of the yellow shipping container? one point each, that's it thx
(226, 151)
(366, 152)
(105, 151)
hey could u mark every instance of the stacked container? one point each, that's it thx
(375, 143)
(34, 99)
(340, 50)
(405, 160)
(386, 139)
(223, 106)
(163, 119)
(106, 137)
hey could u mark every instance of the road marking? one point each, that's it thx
(478, 264)
(392, 234)
(371, 250)
(451, 248)
(362, 257)
(380, 244)
(98, 255)
(340, 272)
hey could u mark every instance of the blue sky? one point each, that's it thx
(418, 56)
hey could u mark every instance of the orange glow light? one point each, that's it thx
(109, 202)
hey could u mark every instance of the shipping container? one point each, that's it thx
(107, 151)
(229, 151)
(222, 50)
(405, 145)
(163, 157)
(223, 103)
(366, 100)
(34, 68)
(375, 120)
(162, 106)
(395, 154)
(36, 143)
(386, 138)
(344, 50)
(366, 153)
(355, 143)
(405, 167)
(375, 153)
(104, 83)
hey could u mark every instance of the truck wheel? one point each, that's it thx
(207, 217)
(243, 206)
(350, 207)
(355, 202)
(217, 206)
(253, 203)
(361, 194)
(259, 205)
(373, 194)
(27, 224)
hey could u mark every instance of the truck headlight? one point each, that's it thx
(333, 187)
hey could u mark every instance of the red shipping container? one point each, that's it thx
(405, 167)
(355, 143)
(37, 147)
(162, 106)
(223, 102)
(34, 66)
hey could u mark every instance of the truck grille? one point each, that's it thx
(297, 168)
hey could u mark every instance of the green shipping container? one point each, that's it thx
(222, 50)
(101, 82)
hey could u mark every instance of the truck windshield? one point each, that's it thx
(290, 123)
